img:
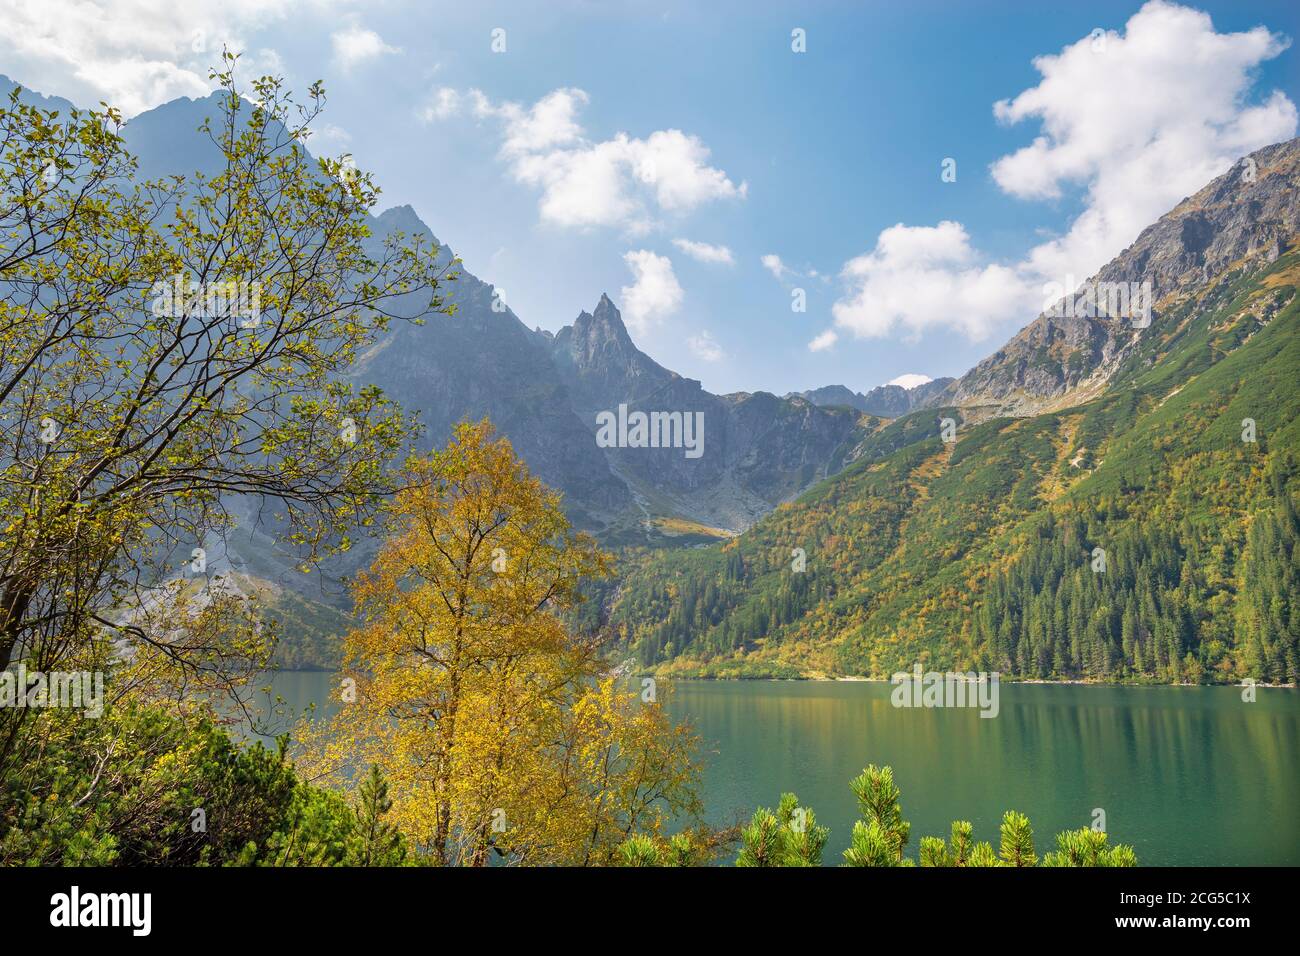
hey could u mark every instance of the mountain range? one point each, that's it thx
(835, 532)
(543, 390)
(886, 401)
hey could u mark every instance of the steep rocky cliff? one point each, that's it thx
(758, 449)
(1240, 221)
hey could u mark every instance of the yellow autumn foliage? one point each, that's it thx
(502, 735)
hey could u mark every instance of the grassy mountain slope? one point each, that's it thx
(981, 554)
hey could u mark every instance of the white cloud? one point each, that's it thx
(654, 292)
(135, 54)
(773, 264)
(443, 104)
(327, 139)
(823, 341)
(784, 273)
(921, 277)
(703, 346)
(549, 123)
(1139, 121)
(910, 380)
(584, 187)
(705, 252)
(1136, 123)
(620, 182)
(673, 163)
(354, 45)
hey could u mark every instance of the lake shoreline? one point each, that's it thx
(852, 679)
(1001, 679)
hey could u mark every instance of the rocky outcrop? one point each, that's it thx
(484, 363)
(1241, 220)
(758, 449)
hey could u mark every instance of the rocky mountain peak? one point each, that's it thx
(602, 329)
(600, 359)
(403, 219)
(607, 311)
(1240, 222)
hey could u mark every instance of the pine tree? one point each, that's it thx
(982, 855)
(1087, 847)
(934, 852)
(1017, 840)
(802, 839)
(638, 850)
(380, 843)
(878, 801)
(959, 847)
(788, 837)
(761, 840)
(872, 846)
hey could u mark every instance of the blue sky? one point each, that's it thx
(829, 159)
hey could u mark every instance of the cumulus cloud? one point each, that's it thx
(443, 104)
(910, 380)
(354, 45)
(654, 292)
(1135, 120)
(823, 341)
(703, 346)
(773, 264)
(705, 252)
(549, 123)
(1138, 119)
(920, 277)
(135, 54)
(620, 182)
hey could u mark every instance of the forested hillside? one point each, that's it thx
(1137, 536)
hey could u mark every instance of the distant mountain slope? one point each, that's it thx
(1239, 221)
(480, 362)
(887, 401)
(542, 392)
(982, 553)
(7, 86)
(758, 450)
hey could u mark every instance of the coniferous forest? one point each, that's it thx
(1134, 538)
